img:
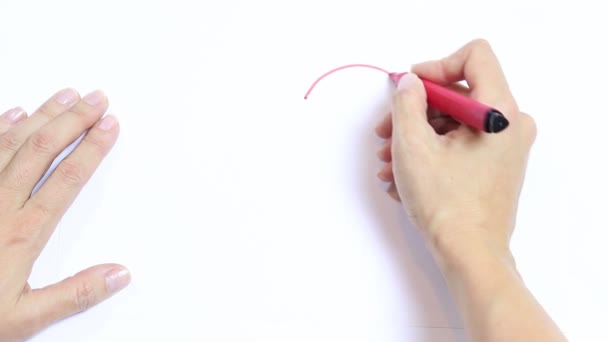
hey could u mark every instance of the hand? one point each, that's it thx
(28, 145)
(461, 189)
(464, 182)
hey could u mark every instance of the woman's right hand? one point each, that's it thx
(464, 182)
(461, 189)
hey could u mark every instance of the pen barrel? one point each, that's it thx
(460, 107)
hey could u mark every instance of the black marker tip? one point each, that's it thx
(495, 121)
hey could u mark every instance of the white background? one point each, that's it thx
(248, 214)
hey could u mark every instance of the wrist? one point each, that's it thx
(459, 250)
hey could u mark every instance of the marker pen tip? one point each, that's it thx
(396, 76)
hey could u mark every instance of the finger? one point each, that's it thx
(384, 154)
(11, 141)
(10, 118)
(42, 147)
(386, 173)
(64, 184)
(410, 109)
(385, 128)
(42, 307)
(475, 63)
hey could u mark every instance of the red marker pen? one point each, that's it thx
(460, 107)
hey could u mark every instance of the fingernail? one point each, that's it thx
(117, 280)
(107, 123)
(94, 98)
(14, 115)
(67, 97)
(406, 81)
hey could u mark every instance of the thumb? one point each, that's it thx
(409, 109)
(75, 294)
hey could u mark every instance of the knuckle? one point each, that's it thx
(84, 297)
(9, 142)
(529, 125)
(20, 237)
(47, 110)
(97, 142)
(43, 143)
(70, 172)
(39, 213)
(448, 63)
